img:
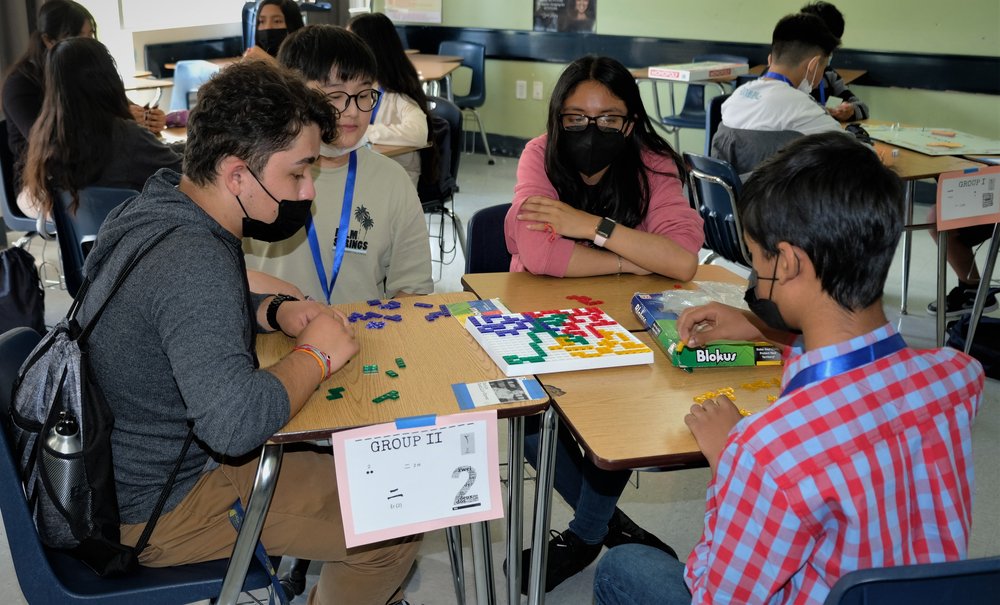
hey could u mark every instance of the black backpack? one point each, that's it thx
(985, 344)
(22, 298)
(62, 434)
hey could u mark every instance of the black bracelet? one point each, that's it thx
(272, 309)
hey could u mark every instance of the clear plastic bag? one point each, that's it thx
(675, 301)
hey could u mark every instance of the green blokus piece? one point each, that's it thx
(335, 393)
(400, 363)
(391, 374)
(370, 369)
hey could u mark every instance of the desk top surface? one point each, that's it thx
(437, 354)
(433, 70)
(633, 417)
(524, 291)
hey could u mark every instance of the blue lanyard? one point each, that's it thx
(776, 76)
(381, 94)
(822, 91)
(845, 363)
(345, 219)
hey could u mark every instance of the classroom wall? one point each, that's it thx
(925, 26)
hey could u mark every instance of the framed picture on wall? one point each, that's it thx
(565, 15)
(413, 11)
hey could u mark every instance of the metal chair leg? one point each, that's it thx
(453, 535)
(482, 132)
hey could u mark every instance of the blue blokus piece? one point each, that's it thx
(423, 305)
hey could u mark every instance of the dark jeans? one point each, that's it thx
(592, 492)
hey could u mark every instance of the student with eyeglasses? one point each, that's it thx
(600, 193)
(367, 238)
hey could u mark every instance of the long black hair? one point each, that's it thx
(70, 144)
(57, 19)
(623, 192)
(395, 72)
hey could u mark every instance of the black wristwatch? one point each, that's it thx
(603, 232)
(272, 309)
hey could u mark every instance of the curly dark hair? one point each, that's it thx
(251, 110)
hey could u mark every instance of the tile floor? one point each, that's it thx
(668, 504)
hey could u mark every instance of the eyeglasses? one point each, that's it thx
(575, 122)
(365, 100)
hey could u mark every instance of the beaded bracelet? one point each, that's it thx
(325, 365)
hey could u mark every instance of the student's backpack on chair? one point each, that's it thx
(62, 426)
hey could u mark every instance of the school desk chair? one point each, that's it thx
(474, 57)
(713, 117)
(12, 215)
(972, 582)
(485, 241)
(51, 576)
(436, 191)
(77, 232)
(188, 78)
(714, 187)
(692, 113)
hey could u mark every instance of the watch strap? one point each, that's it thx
(603, 231)
(272, 309)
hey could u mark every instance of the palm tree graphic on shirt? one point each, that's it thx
(362, 215)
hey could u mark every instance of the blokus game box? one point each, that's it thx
(662, 325)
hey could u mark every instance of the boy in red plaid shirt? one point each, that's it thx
(865, 460)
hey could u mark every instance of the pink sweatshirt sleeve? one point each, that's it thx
(531, 250)
(670, 214)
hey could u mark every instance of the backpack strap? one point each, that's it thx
(85, 287)
(147, 531)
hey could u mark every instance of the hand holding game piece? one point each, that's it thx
(721, 322)
(330, 335)
(710, 424)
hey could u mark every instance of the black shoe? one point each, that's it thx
(568, 556)
(622, 530)
(960, 301)
(294, 583)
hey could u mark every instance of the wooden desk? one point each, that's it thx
(633, 417)
(437, 354)
(524, 291)
(419, 56)
(391, 151)
(432, 70)
(222, 61)
(145, 83)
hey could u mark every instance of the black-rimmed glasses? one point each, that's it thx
(575, 122)
(365, 100)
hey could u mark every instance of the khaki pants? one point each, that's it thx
(303, 521)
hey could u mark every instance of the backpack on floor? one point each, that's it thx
(985, 344)
(22, 298)
(61, 427)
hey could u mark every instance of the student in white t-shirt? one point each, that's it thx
(779, 101)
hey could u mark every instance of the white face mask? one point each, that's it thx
(806, 85)
(334, 152)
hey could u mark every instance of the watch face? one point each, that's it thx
(605, 227)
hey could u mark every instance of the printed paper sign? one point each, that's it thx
(968, 198)
(494, 392)
(417, 474)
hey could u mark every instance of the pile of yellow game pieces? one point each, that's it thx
(730, 392)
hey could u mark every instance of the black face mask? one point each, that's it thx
(270, 39)
(292, 216)
(766, 309)
(591, 149)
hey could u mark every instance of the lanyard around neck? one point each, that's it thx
(345, 220)
(845, 363)
(776, 76)
(381, 95)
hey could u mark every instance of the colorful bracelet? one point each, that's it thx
(325, 365)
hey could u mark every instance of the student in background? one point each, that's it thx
(764, 115)
(865, 459)
(85, 135)
(24, 86)
(275, 20)
(385, 251)
(401, 116)
(851, 108)
(599, 194)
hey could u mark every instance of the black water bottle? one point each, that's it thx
(65, 473)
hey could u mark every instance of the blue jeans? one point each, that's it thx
(633, 574)
(592, 492)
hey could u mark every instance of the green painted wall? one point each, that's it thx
(969, 27)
